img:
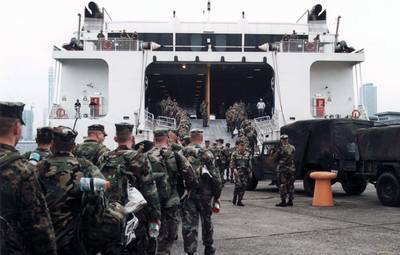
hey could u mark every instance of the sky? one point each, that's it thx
(31, 28)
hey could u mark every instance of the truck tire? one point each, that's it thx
(354, 185)
(388, 189)
(253, 182)
(308, 184)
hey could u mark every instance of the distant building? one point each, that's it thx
(51, 81)
(369, 98)
(388, 118)
(27, 129)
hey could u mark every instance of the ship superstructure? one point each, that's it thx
(120, 71)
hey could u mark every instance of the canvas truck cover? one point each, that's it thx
(319, 141)
(379, 143)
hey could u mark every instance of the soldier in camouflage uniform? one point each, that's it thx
(180, 177)
(221, 163)
(285, 171)
(92, 147)
(199, 202)
(204, 113)
(125, 166)
(241, 167)
(81, 219)
(25, 223)
(44, 140)
(227, 154)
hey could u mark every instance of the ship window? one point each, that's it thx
(199, 42)
(254, 40)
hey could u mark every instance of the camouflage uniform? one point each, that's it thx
(124, 165)
(81, 220)
(285, 171)
(241, 162)
(26, 226)
(90, 149)
(227, 152)
(204, 113)
(180, 176)
(25, 223)
(199, 203)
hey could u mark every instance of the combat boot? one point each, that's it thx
(234, 199)
(290, 202)
(209, 250)
(240, 203)
(282, 204)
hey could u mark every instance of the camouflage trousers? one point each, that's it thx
(169, 229)
(286, 184)
(205, 120)
(241, 182)
(194, 209)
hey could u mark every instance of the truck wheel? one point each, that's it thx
(252, 185)
(388, 189)
(354, 185)
(308, 184)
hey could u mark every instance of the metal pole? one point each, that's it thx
(337, 30)
(79, 27)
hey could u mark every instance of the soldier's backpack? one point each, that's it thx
(114, 169)
(6, 230)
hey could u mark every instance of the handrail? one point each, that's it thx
(166, 122)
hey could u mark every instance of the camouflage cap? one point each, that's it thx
(64, 134)
(44, 133)
(123, 128)
(196, 131)
(160, 132)
(12, 110)
(97, 127)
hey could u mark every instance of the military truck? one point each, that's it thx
(321, 145)
(378, 156)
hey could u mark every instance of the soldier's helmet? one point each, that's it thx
(64, 135)
(12, 110)
(44, 135)
(284, 137)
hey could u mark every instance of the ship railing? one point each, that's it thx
(114, 44)
(59, 111)
(266, 128)
(166, 122)
(148, 120)
(297, 45)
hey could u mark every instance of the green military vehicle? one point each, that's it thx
(321, 145)
(378, 160)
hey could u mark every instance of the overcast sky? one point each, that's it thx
(30, 29)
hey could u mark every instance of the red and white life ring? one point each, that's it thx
(311, 46)
(60, 113)
(107, 45)
(355, 114)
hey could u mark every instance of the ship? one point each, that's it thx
(119, 71)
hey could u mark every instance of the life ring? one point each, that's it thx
(60, 113)
(107, 45)
(355, 114)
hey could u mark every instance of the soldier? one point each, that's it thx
(125, 167)
(285, 171)
(25, 223)
(241, 167)
(204, 113)
(227, 154)
(207, 144)
(92, 147)
(180, 177)
(77, 216)
(198, 203)
(222, 159)
(44, 140)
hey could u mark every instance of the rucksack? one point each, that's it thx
(114, 169)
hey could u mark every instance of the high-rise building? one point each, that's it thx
(51, 80)
(27, 129)
(369, 98)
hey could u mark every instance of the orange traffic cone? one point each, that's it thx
(323, 189)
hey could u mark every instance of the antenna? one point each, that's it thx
(208, 9)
